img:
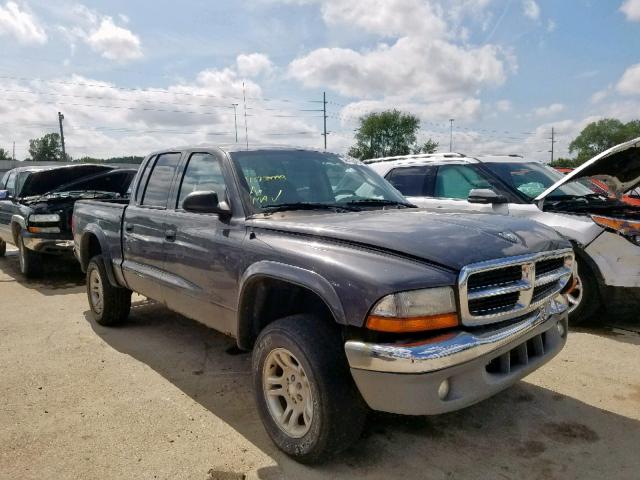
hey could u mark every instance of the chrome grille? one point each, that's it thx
(503, 289)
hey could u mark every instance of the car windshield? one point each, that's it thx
(282, 180)
(531, 179)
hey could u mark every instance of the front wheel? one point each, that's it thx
(305, 395)
(30, 261)
(584, 298)
(109, 305)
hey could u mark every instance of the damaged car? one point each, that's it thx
(36, 206)
(603, 227)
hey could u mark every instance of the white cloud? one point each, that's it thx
(411, 67)
(503, 106)
(551, 25)
(21, 24)
(629, 84)
(631, 9)
(531, 9)
(253, 64)
(549, 110)
(103, 120)
(114, 42)
(601, 94)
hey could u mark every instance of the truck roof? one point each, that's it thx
(240, 147)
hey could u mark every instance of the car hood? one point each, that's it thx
(448, 240)
(45, 181)
(618, 168)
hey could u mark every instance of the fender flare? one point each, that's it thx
(19, 220)
(296, 275)
(94, 230)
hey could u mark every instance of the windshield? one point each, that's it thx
(531, 179)
(273, 179)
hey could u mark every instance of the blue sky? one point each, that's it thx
(131, 77)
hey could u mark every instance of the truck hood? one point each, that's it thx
(618, 168)
(448, 240)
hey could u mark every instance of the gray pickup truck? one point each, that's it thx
(350, 297)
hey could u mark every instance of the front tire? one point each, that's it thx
(584, 299)
(3, 248)
(305, 394)
(30, 261)
(109, 305)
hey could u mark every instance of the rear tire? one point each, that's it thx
(299, 367)
(3, 248)
(584, 300)
(109, 305)
(30, 261)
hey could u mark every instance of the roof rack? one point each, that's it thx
(417, 155)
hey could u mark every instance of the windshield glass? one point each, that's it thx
(531, 179)
(272, 178)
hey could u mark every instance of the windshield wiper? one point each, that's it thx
(379, 201)
(281, 207)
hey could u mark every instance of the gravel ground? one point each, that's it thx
(164, 397)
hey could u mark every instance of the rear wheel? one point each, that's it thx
(584, 298)
(30, 261)
(305, 395)
(110, 305)
(3, 248)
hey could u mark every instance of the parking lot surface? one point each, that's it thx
(164, 397)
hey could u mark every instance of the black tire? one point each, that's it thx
(30, 262)
(3, 248)
(116, 302)
(590, 302)
(339, 412)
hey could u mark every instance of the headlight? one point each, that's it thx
(627, 228)
(45, 223)
(50, 218)
(414, 311)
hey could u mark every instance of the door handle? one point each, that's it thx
(128, 227)
(170, 235)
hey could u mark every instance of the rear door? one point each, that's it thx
(203, 251)
(144, 227)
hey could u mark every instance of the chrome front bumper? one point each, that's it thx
(406, 378)
(47, 243)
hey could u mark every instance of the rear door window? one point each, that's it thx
(410, 181)
(159, 184)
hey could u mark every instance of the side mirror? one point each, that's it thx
(4, 195)
(205, 202)
(485, 196)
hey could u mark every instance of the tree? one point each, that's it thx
(429, 146)
(4, 155)
(565, 163)
(386, 134)
(46, 148)
(598, 136)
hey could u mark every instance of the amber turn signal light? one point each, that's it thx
(413, 324)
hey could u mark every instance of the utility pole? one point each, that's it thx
(246, 129)
(235, 119)
(64, 153)
(451, 134)
(553, 140)
(14, 151)
(324, 116)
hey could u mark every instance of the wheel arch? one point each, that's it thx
(309, 292)
(93, 242)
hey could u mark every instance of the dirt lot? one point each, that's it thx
(163, 397)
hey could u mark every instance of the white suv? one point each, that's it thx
(604, 230)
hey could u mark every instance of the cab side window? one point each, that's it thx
(202, 174)
(456, 181)
(10, 186)
(157, 192)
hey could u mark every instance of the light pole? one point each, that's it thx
(451, 134)
(235, 118)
